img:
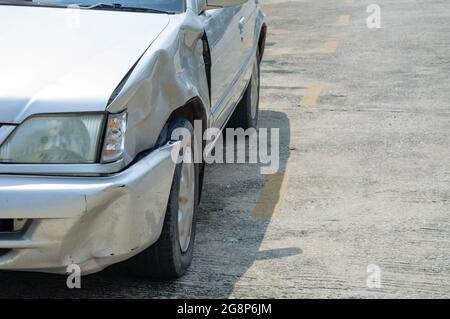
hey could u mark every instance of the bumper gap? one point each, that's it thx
(6, 225)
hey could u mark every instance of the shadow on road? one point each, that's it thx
(229, 237)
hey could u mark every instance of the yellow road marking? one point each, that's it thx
(344, 19)
(329, 47)
(272, 196)
(312, 94)
(280, 32)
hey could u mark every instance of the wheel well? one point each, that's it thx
(192, 110)
(262, 41)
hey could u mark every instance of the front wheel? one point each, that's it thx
(171, 255)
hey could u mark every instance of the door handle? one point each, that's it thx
(241, 27)
(242, 23)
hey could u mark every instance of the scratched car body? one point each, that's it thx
(89, 96)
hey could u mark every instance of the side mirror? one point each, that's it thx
(214, 4)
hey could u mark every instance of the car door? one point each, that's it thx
(226, 47)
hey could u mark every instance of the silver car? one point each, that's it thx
(90, 94)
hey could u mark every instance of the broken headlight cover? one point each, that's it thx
(54, 139)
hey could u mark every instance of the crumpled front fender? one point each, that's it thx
(90, 221)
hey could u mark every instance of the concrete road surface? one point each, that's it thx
(360, 207)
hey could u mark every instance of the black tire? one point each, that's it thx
(165, 259)
(242, 116)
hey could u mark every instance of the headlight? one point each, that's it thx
(58, 139)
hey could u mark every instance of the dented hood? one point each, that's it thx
(56, 60)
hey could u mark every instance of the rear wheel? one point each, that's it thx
(246, 113)
(171, 255)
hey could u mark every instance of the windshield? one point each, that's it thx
(160, 5)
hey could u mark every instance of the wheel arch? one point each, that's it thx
(193, 110)
(262, 40)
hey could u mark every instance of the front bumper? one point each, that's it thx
(90, 221)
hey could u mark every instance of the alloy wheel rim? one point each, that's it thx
(254, 91)
(186, 201)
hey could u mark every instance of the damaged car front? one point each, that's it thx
(85, 177)
(99, 158)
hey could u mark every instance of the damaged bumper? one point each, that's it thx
(90, 221)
